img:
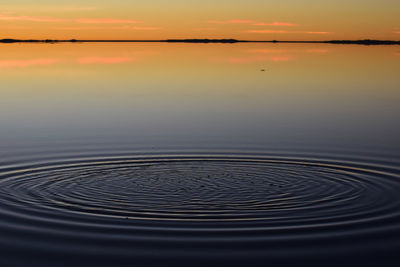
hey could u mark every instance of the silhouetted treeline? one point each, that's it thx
(35, 41)
(364, 42)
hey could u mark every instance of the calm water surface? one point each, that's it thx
(230, 154)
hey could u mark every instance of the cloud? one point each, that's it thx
(103, 60)
(287, 24)
(27, 62)
(8, 17)
(108, 28)
(398, 32)
(125, 27)
(47, 8)
(137, 28)
(232, 21)
(248, 21)
(318, 32)
(29, 18)
(286, 32)
(77, 28)
(267, 31)
(69, 8)
(106, 21)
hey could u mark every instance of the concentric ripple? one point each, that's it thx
(256, 206)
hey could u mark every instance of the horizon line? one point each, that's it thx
(198, 40)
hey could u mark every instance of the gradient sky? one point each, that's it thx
(160, 19)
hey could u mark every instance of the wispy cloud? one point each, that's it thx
(103, 60)
(70, 8)
(267, 31)
(106, 21)
(137, 28)
(124, 27)
(23, 63)
(252, 22)
(318, 32)
(232, 21)
(397, 32)
(286, 32)
(49, 8)
(29, 18)
(9, 17)
(76, 28)
(276, 23)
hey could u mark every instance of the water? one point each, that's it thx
(165, 154)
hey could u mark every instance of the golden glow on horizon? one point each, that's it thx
(252, 19)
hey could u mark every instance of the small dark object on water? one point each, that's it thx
(262, 69)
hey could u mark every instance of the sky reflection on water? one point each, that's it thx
(212, 155)
(201, 96)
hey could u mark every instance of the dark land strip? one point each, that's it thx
(231, 41)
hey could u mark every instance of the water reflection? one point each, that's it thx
(24, 63)
(181, 152)
(103, 60)
(317, 51)
(184, 94)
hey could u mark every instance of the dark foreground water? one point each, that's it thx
(140, 155)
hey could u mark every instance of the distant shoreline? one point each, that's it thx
(205, 41)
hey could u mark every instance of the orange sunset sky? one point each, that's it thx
(161, 19)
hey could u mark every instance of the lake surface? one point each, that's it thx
(199, 154)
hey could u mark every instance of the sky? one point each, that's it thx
(161, 19)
